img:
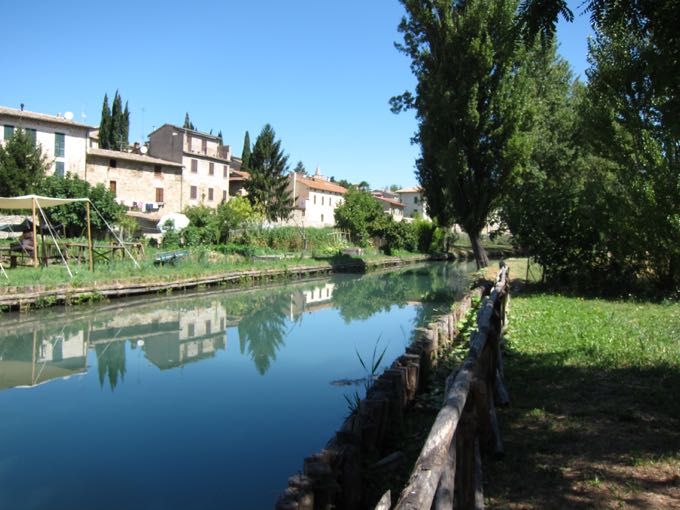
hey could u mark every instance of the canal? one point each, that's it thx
(196, 400)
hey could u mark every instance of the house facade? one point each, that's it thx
(315, 199)
(62, 140)
(391, 206)
(141, 183)
(414, 202)
(205, 174)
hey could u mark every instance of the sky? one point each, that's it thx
(321, 73)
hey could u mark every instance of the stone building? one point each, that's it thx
(205, 174)
(62, 140)
(414, 202)
(141, 183)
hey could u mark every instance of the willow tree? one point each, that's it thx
(470, 102)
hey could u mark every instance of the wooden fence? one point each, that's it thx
(467, 424)
(332, 477)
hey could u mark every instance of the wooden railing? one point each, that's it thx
(467, 424)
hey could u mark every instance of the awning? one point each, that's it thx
(26, 201)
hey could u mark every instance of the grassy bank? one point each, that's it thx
(595, 418)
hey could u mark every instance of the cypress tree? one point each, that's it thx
(105, 124)
(187, 122)
(245, 153)
(125, 135)
(221, 140)
(268, 183)
(115, 141)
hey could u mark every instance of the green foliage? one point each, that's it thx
(268, 183)
(22, 165)
(300, 169)
(399, 235)
(361, 215)
(187, 123)
(171, 238)
(114, 126)
(236, 213)
(469, 68)
(245, 153)
(203, 228)
(72, 217)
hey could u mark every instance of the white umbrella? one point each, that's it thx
(180, 221)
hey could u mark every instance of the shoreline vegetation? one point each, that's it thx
(593, 380)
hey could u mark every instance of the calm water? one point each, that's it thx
(203, 400)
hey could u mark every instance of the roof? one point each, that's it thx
(25, 114)
(131, 156)
(238, 174)
(185, 130)
(415, 189)
(331, 187)
(26, 201)
(395, 203)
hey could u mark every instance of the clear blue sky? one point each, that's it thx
(321, 73)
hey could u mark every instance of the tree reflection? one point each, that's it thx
(437, 286)
(111, 362)
(262, 329)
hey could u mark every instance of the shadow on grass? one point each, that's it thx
(588, 437)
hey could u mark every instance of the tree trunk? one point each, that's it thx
(481, 257)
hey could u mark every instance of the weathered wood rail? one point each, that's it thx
(332, 477)
(450, 461)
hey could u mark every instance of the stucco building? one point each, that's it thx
(315, 199)
(390, 205)
(414, 202)
(205, 174)
(62, 140)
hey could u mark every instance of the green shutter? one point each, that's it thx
(9, 132)
(59, 143)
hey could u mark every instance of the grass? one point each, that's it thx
(200, 263)
(595, 419)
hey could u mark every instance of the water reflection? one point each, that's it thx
(177, 330)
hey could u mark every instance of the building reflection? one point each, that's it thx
(173, 331)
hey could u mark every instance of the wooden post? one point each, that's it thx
(89, 235)
(35, 238)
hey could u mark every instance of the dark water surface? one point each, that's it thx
(194, 401)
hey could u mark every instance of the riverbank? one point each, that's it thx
(153, 280)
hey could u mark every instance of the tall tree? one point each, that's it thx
(22, 165)
(470, 103)
(116, 134)
(268, 183)
(245, 153)
(105, 125)
(187, 122)
(125, 128)
(300, 169)
(220, 140)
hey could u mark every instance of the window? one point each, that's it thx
(226, 171)
(157, 170)
(112, 187)
(208, 327)
(204, 146)
(31, 133)
(415, 200)
(159, 195)
(113, 163)
(322, 199)
(59, 142)
(188, 142)
(314, 199)
(211, 168)
(194, 166)
(224, 196)
(322, 218)
(191, 329)
(210, 194)
(9, 132)
(59, 168)
(193, 193)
